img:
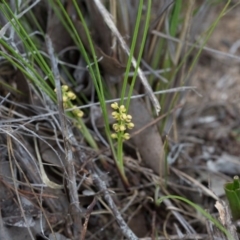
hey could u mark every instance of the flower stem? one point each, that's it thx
(120, 161)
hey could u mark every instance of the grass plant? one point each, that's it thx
(208, 216)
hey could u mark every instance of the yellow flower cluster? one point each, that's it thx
(67, 97)
(123, 121)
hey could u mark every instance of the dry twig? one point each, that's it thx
(126, 231)
(67, 134)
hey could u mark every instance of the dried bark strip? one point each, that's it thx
(67, 134)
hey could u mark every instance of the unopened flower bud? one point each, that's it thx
(113, 135)
(71, 95)
(122, 128)
(64, 88)
(130, 125)
(65, 98)
(122, 109)
(114, 105)
(126, 136)
(80, 114)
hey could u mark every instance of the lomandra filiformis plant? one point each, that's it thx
(123, 122)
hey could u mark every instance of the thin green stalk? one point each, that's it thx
(120, 154)
(36, 22)
(125, 81)
(22, 64)
(210, 31)
(29, 70)
(140, 53)
(174, 22)
(134, 40)
(232, 191)
(28, 43)
(199, 209)
(97, 79)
